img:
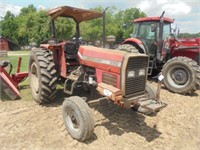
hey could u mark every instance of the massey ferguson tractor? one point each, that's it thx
(178, 59)
(117, 76)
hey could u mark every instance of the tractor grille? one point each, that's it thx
(139, 62)
(136, 85)
(110, 79)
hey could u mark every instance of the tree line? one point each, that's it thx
(33, 26)
(189, 35)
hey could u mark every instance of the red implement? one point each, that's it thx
(9, 84)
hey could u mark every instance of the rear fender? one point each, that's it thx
(136, 43)
(58, 57)
(188, 48)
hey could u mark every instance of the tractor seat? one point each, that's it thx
(71, 51)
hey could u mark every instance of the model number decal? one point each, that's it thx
(107, 92)
(103, 61)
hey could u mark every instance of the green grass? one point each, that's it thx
(24, 86)
(13, 57)
(26, 52)
(25, 92)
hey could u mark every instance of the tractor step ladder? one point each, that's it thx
(71, 81)
(150, 68)
(151, 105)
(69, 86)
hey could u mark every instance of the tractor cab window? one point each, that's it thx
(135, 31)
(166, 30)
(147, 31)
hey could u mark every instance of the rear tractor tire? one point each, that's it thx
(42, 74)
(77, 118)
(181, 75)
(128, 48)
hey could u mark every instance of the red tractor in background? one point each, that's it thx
(111, 75)
(177, 58)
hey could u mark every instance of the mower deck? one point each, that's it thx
(8, 86)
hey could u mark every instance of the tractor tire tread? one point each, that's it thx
(48, 75)
(194, 85)
(86, 116)
(128, 48)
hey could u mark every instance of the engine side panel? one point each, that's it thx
(108, 78)
(105, 59)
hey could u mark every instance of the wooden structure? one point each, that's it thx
(5, 45)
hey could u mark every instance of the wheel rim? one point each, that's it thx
(178, 76)
(34, 78)
(72, 119)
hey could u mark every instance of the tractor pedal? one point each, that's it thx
(155, 107)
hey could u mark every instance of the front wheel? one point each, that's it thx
(182, 75)
(151, 93)
(78, 118)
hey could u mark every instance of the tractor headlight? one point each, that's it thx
(131, 74)
(141, 72)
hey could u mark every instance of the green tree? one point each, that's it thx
(27, 21)
(92, 30)
(65, 28)
(27, 10)
(125, 22)
(118, 23)
(189, 35)
(9, 27)
(33, 25)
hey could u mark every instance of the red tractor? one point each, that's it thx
(177, 58)
(111, 75)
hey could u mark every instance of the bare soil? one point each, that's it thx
(27, 125)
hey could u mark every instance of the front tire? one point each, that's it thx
(78, 118)
(42, 76)
(151, 93)
(182, 75)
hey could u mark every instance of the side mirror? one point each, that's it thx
(153, 28)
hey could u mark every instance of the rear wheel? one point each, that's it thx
(182, 75)
(42, 76)
(197, 58)
(128, 47)
(78, 118)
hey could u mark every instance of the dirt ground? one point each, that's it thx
(26, 125)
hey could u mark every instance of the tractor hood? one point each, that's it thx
(77, 14)
(106, 59)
